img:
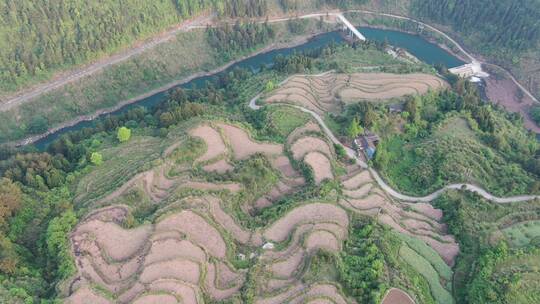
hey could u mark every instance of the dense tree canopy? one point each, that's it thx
(40, 36)
(496, 26)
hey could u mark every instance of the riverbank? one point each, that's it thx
(119, 106)
(275, 46)
(504, 91)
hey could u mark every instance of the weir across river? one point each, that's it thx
(352, 29)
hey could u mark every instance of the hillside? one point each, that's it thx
(59, 35)
(328, 171)
(505, 32)
(201, 198)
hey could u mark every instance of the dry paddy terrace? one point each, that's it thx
(329, 92)
(189, 253)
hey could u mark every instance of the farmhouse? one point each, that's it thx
(367, 143)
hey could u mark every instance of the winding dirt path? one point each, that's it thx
(428, 198)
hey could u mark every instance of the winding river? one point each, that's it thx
(419, 47)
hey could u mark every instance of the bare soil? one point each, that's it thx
(221, 166)
(233, 187)
(156, 299)
(322, 169)
(119, 243)
(317, 212)
(326, 93)
(85, 295)
(357, 180)
(214, 143)
(286, 268)
(309, 144)
(397, 296)
(197, 230)
(504, 91)
(243, 146)
(322, 240)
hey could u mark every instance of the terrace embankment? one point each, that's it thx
(330, 92)
(191, 248)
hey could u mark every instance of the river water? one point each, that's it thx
(419, 47)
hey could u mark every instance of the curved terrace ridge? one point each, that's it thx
(428, 198)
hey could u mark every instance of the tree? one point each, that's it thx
(57, 243)
(270, 85)
(369, 117)
(38, 124)
(96, 158)
(354, 128)
(123, 134)
(8, 256)
(10, 199)
(535, 114)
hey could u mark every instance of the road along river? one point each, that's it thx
(413, 43)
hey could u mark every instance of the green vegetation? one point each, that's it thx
(535, 114)
(119, 165)
(283, 120)
(480, 227)
(446, 137)
(231, 41)
(431, 256)
(501, 28)
(354, 128)
(423, 267)
(174, 61)
(361, 266)
(523, 234)
(123, 134)
(58, 36)
(45, 193)
(96, 158)
(505, 31)
(504, 276)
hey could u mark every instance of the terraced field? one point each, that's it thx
(205, 241)
(329, 92)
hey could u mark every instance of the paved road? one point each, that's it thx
(9, 102)
(461, 48)
(428, 198)
(199, 23)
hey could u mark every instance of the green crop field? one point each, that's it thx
(424, 267)
(524, 233)
(430, 255)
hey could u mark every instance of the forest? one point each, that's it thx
(230, 41)
(59, 34)
(501, 28)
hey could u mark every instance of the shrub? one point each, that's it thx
(96, 158)
(124, 134)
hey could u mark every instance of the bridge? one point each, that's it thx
(352, 30)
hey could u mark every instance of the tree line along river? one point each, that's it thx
(416, 45)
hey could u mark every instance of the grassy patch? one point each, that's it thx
(452, 154)
(426, 269)
(283, 120)
(120, 163)
(430, 255)
(478, 225)
(523, 234)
